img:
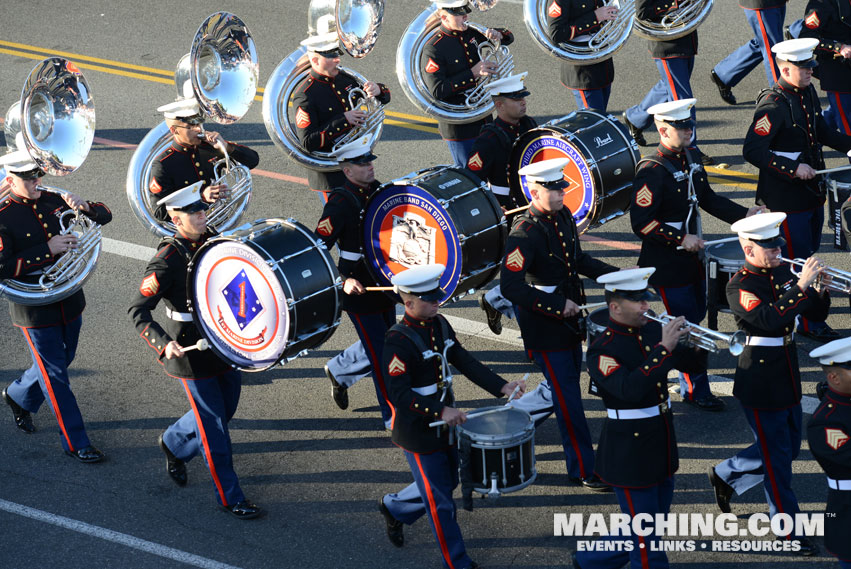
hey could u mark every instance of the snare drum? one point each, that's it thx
(602, 155)
(723, 260)
(838, 191)
(438, 215)
(264, 293)
(502, 449)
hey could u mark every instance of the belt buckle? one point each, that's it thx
(663, 407)
(441, 385)
(788, 339)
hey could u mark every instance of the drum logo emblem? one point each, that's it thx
(412, 242)
(601, 142)
(242, 300)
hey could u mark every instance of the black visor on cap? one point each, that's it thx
(636, 295)
(459, 10)
(555, 185)
(431, 295)
(193, 120)
(846, 365)
(522, 94)
(808, 63)
(771, 242)
(194, 207)
(683, 124)
(331, 53)
(362, 159)
(30, 174)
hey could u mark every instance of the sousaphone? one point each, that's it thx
(358, 24)
(222, 69)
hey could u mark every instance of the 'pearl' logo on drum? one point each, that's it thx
(600, 142)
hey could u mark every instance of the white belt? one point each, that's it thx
(675, 224)
(645, 413)
(501, 190)
(839, 484)
(766, 341)
(583, 38)
(178, 316)
(789, 155)
(427, 390)
(545, 288)
(350, 256)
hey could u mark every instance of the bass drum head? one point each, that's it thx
(239, 303)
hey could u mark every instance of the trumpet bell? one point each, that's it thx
(358, 24)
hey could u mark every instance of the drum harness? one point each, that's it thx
(187, 256)
(524, 124)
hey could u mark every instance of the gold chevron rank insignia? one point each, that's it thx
(748, 300)
(835, 438)
(554, 10)
(762, 126)
(607, 365)
(475, 162)
(325, 228)
(643, 197)
(396, 367)
(812, 21)
(150, 285)
(515, 260)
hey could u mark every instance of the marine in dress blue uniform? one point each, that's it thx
(667, 224)
(784, 142)
(372, 313)
(829, 433)
(421, 393)
(451, 67)
(629, 363)
(211, 386)
(765, 298)
(30, 242)
(540, 275)
(576, 21)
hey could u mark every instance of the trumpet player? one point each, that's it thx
(192, 155)
(31, 241)
(766, 297)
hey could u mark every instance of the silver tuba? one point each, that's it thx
(410, 74)
(55, 123)
(601, 45)
(222, 69)
(682, 21)
(358, 23)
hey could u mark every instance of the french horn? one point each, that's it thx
(55, 123)
(676, 24)
(222, 69)
(410, 74)
(358, 23)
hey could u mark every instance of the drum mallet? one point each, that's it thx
(590, 306)
(377, 288)
(200, 345)
(715, 242)
(516, 209)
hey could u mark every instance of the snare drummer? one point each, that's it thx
(30, 241)
(421, 394)
(211, 385)
(659, 213)
(192, 154)
(629, 363)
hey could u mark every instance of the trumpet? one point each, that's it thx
(840, 281)
(704, 338)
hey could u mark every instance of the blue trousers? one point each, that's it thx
(838, 114)
(651, 500)
(351, 365)
(435, 478)
(844, 564)
(675, 84)
(52, 349)
(592, 98)
(768, 461)
(460, 151)
(371, 329)
(562, 368)
(767, 26)
(204, 430)
(688, 301)
(802, 231)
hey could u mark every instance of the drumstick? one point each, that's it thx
(200, 345)
(516, 389)
(716, 241)
(591, 305)
(516, 209)
(474, 412)
(837, 169)
(374, 288)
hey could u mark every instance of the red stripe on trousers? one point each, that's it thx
(685, 375)
(206, 444)
(788, 236)
(56, 411)
(769, 470)
(566, 416)
(441, 541)
(766, 45)
(645, 561)
(671, 84)
(584, 99)
(839, 108)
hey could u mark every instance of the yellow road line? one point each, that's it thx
(731, 173)
(727, 182)
(96, 68)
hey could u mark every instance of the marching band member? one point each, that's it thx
(827, 21)
(420, 395)
(784, 142)
(321, 103)
(637, 454)
(372, 313)
(675, 62)
(489, 160)
(211, 385)
(192, 155)
(540, 275)
(765, 298)
(30, 241)
(663, 218)
(765, 17)
(575, 21)
(828, 432)
(452, 66)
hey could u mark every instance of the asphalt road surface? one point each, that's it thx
(318, 470)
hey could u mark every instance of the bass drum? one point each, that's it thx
(602, 155)
(438, 215)
(264, 293)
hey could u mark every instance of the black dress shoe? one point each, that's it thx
(823, 335)
(592, 483)
(708, 403)
(23, 418)
(87, 454)
(723, 491)
(494, 315)
(175, 467)
(395, 528)
(244, 510)
(821, 390)
(636, 133)
(723, 89)
(340, 393)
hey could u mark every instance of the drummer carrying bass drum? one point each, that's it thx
(211, 385)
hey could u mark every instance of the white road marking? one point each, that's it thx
(113, 536)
